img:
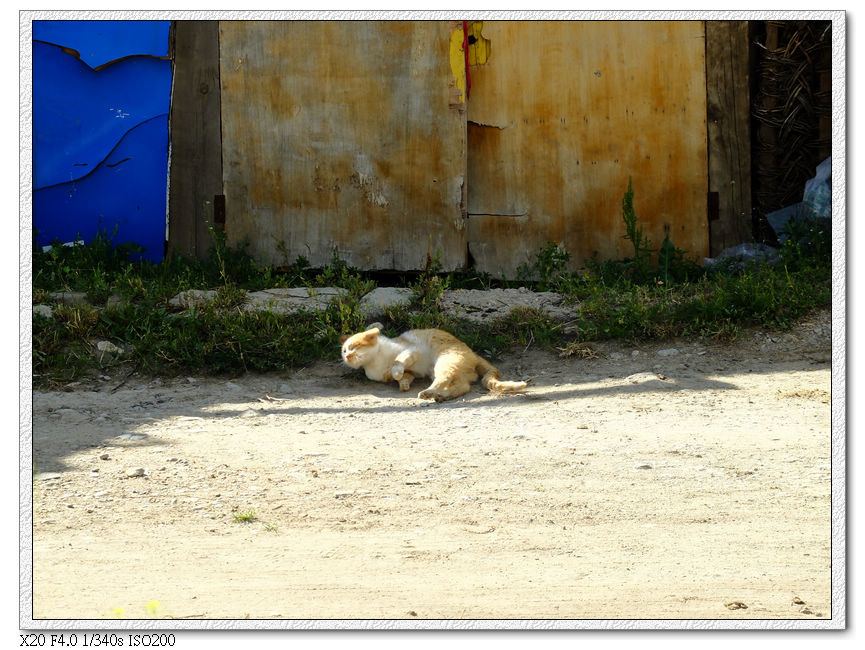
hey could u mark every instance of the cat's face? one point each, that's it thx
(360, 348)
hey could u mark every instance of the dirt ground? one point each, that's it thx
(674, 481)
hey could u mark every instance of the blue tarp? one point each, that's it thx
(98, 42)
(100, 138)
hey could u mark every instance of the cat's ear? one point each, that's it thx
(370, 335)
(344, 338)
(377, 326)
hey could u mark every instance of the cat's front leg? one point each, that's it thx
(403, 360)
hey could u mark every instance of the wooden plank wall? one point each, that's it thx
(196, 138)
(729, 129)
(562, 114)
(344, 137)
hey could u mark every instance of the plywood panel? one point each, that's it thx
(562, 114)
(347, 137)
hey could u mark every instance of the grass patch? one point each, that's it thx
(664, 294)
(245, 516)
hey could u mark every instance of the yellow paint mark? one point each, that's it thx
(458, 63)
(479, 51)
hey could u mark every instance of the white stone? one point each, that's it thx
(376, 303)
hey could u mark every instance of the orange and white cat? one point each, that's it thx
(432, 353)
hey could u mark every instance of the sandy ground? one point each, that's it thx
(643, 483)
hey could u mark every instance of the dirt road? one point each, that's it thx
(677, 481)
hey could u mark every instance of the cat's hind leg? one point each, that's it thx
(405, 381)
(441, 390)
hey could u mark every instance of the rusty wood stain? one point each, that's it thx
(322, 156)
(363, 158)
(586, 106)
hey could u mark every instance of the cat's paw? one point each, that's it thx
(397, 371)
(426, 394)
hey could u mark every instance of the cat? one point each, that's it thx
(429, 353)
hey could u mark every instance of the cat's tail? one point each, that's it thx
(490, 378)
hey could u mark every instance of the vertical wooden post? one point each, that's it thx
(729, 132)
(196, 137)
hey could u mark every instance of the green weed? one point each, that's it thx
(245, 516)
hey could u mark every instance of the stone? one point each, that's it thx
(109, 347)
(69, 297)
(375, 304)
(135, 471)
(291, 301)
(668, 352)
(106, 351)
(43, 310)
(132, 436)
(190, 297)
(483, 306)
(114, 301)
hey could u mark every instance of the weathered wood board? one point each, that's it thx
(344, 137)
(562, 114)
(196, 140)
(728, 110)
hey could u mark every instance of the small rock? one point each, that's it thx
(798, 601)
(132, 436)
(47, 476)
(43, 310)
(69, 297)
(106, 351)
(643, 466)
(667, 352)
(135, 471)
(376, 303)
(735, 604)
(190, 297)
(113, 301)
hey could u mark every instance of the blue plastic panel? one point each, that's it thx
(126, 192)
(100, 138)
(102, 41)
(79, 115)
